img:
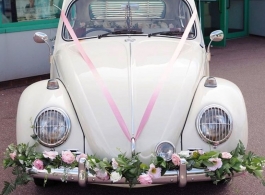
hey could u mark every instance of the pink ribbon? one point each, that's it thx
(157, 90)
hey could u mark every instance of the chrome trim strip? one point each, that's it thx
(133, 146)
(131, 87)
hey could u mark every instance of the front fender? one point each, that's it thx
(37, 97)
(227, 95)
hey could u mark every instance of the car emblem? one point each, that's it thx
(129, 40)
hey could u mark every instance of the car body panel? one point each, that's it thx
(131, 75)
(33, 100)
(127, 68)
(227, 95)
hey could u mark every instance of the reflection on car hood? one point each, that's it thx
(130, 69)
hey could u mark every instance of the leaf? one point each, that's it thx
(23, 179)
(210, 173)
(16, 171)
(8, 163)
(258, 173)
(242, 149)
(207, 155)
(208, 163)
(163, 164)
(104, 164)
(121, 161)
(144, 166)
(252, 167)
(8, 188)
(34, 137)
(218, 174)
(159, 159)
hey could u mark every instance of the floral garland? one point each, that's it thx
(219, 165)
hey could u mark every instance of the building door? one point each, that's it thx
(237, 18)
(230, 16)
(212, 15)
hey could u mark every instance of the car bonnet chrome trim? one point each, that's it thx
(131, 87)
(133, 146)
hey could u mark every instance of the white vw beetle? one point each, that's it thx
(131, 76)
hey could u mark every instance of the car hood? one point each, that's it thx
(130, 68)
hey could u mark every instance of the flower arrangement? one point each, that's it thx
(218, 165)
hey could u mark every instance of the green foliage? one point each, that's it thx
(218, 166)
(8, 188)
(129, 168)
(238, 162)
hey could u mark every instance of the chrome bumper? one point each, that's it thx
(82, 176)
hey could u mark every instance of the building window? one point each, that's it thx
(33, 14)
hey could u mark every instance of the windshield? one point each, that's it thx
(102, 18)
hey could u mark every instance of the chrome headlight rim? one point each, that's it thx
(67, 126)
(167, 142)
(229, 117)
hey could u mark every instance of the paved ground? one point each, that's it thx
(242, 62)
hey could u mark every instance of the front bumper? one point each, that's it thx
(83, 177)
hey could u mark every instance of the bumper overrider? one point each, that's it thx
(81, 175)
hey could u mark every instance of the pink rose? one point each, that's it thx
(114, 164)
(68, 157)
(102, 174)
(80, 156)
(13, 155)
(154, 172)
(226, 155)
(217, 163)
(145, 179)
(51, 154)
(200, 152)
(38, 164)
(176, 159)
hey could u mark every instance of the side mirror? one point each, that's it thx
(216, 36)
(40, 37)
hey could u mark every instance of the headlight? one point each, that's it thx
(165, 150)
(214, 124)
(52, 127)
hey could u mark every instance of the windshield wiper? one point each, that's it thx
(171, 33)
(119, 32)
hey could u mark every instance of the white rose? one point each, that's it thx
(242, 168)
(184, 154)
(115, 176)
(88, 166)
